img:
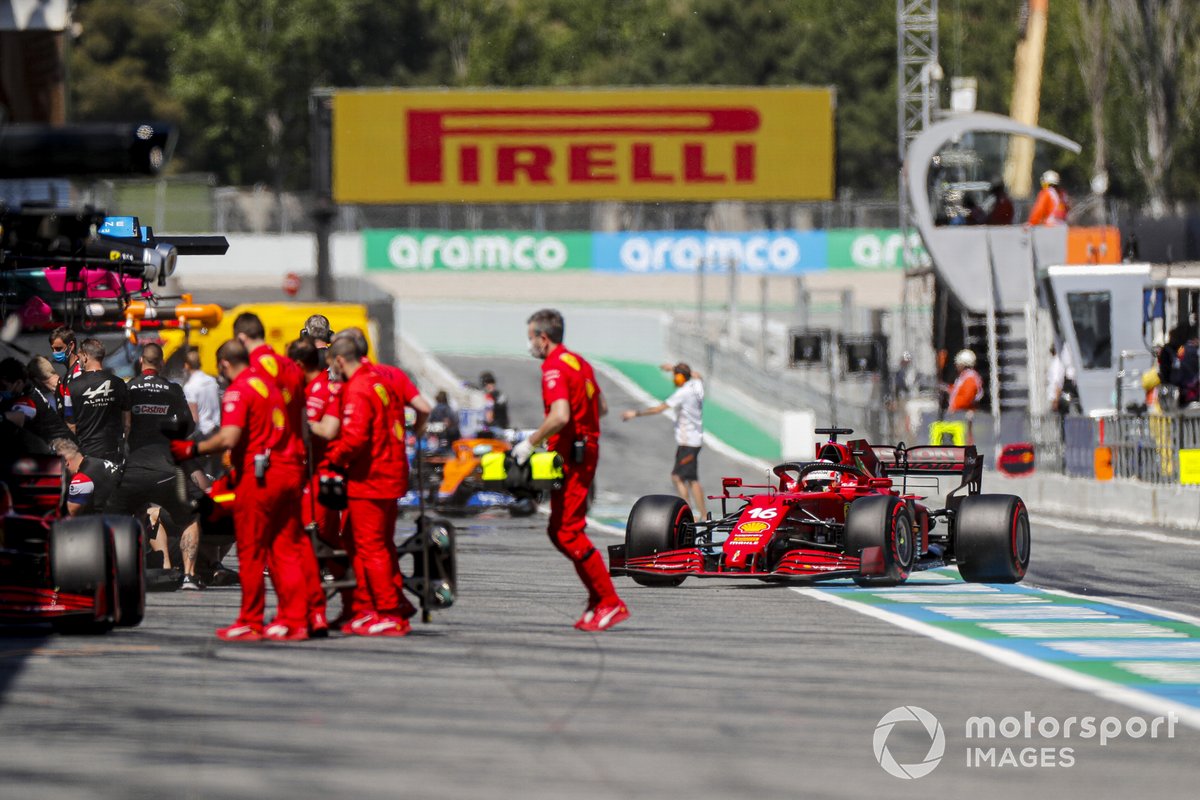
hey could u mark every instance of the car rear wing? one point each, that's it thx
(933, 460)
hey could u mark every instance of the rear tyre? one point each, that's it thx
(523, 507)
(655, 526)
(128, 547)
(81, 563)
(882, 521)
(992, 538)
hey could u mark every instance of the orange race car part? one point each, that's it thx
(466, 462)
(181, 315)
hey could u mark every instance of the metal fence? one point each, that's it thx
(194, 203)
(1147, 448)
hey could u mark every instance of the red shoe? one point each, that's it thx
(318, 626)
(586, 619)
(356, 622)
(278, 632)
(380, 625)
(603, 617)
(239, 633)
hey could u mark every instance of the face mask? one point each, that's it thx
(60, 356)
(536, 350)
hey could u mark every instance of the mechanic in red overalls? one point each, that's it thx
(323, 410)
(268, 459)
(369, 451)
(323, 413)
(289, 379)
(573, 406)
(406, 393)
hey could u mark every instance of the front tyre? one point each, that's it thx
(128, 547)
(992, 538)
(656, 525)
(882, 521)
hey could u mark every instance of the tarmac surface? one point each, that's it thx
(710, 690)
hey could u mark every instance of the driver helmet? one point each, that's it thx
(820, 480)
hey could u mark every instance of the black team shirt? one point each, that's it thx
(100, 400)
(152, 400)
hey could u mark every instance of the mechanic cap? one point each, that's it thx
(487, 377)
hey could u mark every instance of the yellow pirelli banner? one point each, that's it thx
(701, 144)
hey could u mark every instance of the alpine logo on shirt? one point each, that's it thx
(99, 391)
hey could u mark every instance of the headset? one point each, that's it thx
(306, 332)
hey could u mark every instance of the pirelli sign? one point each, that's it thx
(422, 146)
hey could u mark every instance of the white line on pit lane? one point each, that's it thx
(1105, 530)
(1085, 683)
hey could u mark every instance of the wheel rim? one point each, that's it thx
(1021, 538)
(903, 541)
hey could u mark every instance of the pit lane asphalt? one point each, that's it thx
(712, 689)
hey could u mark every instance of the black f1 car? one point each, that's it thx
(858, 511)
(80, 574)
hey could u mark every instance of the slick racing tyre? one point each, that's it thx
(128, 547)
(991, 538)
(81, 563)
(882, 521)
(523, 507)
(655, 526)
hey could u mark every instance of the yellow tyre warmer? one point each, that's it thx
(543, 472)
(492, 465)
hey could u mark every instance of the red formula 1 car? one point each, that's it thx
(81, 574)
(856, 512)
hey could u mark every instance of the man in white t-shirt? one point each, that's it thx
(687, 402)
(203, 395)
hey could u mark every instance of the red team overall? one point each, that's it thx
(322, 399)
(573, 406)
(254, 427)
(370, 451)
(288, 378)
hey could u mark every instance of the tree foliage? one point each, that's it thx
(237, 74)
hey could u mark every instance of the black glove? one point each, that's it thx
(331, 491)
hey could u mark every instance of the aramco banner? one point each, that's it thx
(477, 251)
(779, 252)
(645, 253)
(539, 145)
